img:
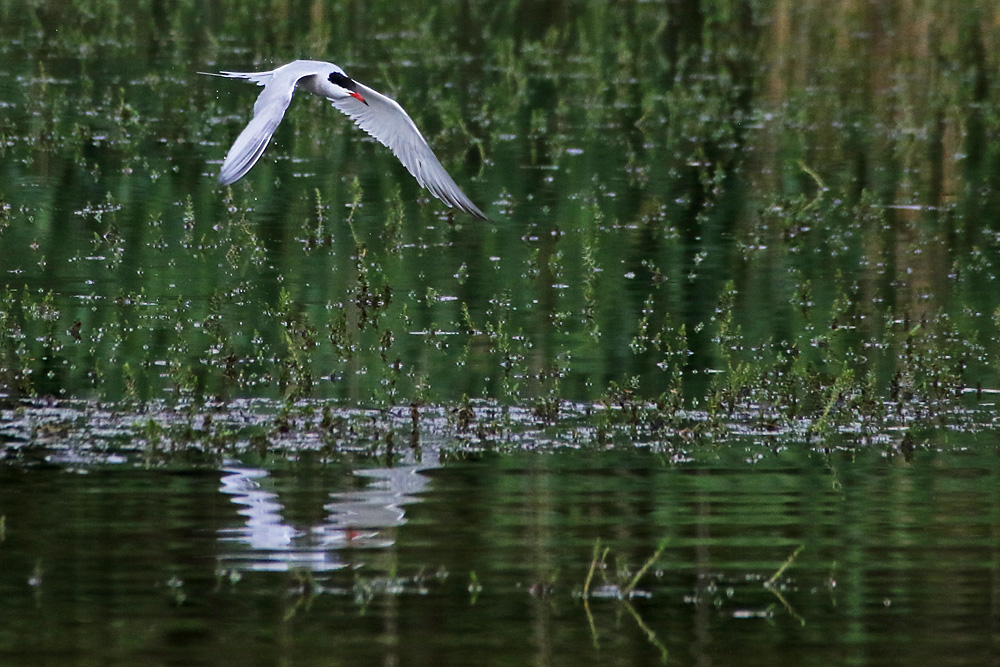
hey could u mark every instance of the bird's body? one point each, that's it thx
(376, 114)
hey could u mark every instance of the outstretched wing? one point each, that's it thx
(388, 123)
(268, 111)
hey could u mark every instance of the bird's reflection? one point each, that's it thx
(358, 518)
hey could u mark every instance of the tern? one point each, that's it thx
(373, 112)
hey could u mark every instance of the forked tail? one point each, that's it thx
(260, 78)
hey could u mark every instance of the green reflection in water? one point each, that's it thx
(894, 560)
(725, 218)
(789, 213)
(807, 218)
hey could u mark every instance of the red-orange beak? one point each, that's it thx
(358, 97)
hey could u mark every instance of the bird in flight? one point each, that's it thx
(373, 112)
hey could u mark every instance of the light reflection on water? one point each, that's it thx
(886, 552)
(364, 518)
(607, 208)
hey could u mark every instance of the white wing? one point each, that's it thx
(268, 111)
(388, 123)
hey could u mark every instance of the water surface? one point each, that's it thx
(483, 559)
(737, 301)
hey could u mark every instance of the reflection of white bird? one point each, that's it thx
(356, 518)
(372, 111)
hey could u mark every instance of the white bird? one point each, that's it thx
(373, 112)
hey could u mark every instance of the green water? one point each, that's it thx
(306, 565)
(737, 297)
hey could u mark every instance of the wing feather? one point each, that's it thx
(391, 126)
(268, 111)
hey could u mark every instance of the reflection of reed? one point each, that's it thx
(876, 86)
(267, 541)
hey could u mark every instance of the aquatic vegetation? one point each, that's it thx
(737, 316)
(625, 586)
(697, 235)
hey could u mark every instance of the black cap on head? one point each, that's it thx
(343, 81)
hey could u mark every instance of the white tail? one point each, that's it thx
(260, 78)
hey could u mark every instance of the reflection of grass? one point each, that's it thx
(623, 584)
(770, 584)
(757, 268)
(475, 588)
(622, 588)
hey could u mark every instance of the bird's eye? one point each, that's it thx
(340, 80)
